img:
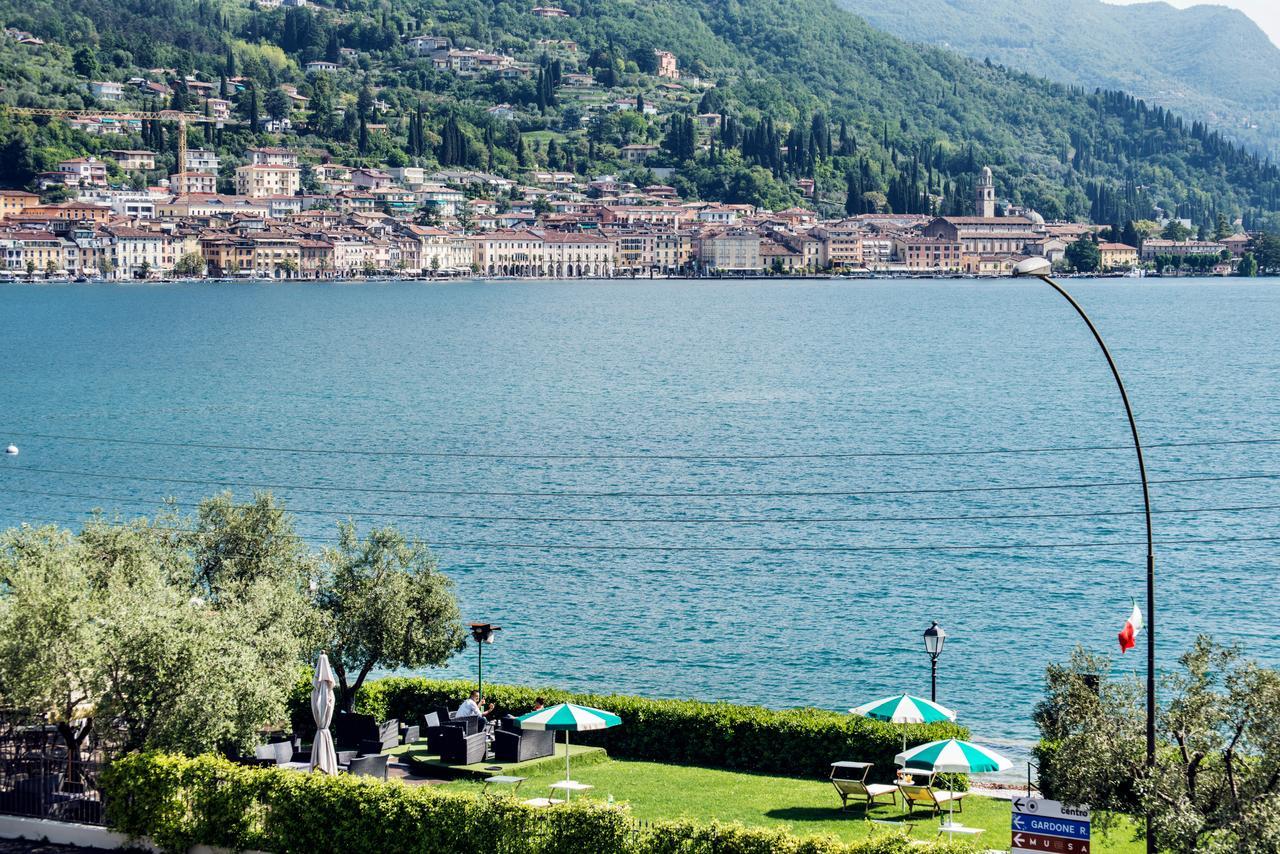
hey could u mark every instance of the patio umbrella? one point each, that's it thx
(952, 756)
(567, 718)
(323, 757)
(904, 709)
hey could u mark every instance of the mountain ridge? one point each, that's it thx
(1212, 63)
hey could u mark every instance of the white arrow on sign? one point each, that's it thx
(1017, 822)
(1017, 840)
(1050, 809)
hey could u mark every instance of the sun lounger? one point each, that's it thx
(850, 782)
(933, 799)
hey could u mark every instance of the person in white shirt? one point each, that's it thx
(470, 707)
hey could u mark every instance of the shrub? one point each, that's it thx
(179, 802)
(802, 742)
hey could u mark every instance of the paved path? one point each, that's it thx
(23, 846)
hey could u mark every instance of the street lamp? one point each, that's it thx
(481, 633)
(1040, 268)
(934, 640)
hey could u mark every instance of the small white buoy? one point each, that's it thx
(12, 450)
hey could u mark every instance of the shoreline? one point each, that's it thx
(816, 277)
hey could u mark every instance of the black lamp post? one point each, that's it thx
(1040, 268)
(934, 640)
(482, 633)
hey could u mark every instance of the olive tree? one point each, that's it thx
(178, 635)
(387, 605)
(1215, 786)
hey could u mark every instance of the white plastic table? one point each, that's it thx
(954, 828)
(569, 787)
(504, 780)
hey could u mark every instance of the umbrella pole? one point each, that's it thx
(566, 761)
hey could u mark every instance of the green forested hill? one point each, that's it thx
(809, 91)
(1208, 62)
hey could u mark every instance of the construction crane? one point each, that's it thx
(183, 119)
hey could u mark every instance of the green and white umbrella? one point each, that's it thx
(567, 718)
(952, 756)
(905, 709)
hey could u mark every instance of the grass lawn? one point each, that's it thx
(543, 136)
(807, 806)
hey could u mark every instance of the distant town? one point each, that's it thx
(297, 212)
(406, 221)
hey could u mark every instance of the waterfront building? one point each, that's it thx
(734, 250)
(1117, 256)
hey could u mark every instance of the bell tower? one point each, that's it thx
(985, 195)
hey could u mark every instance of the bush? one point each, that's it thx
(802, 742)
(179, 802)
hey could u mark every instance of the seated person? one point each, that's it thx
(471, 707)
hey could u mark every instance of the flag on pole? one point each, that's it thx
(1132, 626)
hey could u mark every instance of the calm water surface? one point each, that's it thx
(701, 369)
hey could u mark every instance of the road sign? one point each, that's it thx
(1040, 844)
(1051, 826)
(1050, 809)
(1041, 826)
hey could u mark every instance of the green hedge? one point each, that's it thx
(801, 742)
(179, 802)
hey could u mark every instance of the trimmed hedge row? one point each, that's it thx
(801, 742)
(179, 802)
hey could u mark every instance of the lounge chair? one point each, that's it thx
(929, 797)
(850, 782)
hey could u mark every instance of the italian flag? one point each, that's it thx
(1132, 626)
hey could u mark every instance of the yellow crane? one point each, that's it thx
(183, 119)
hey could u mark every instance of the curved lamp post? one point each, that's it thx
(1040, 268)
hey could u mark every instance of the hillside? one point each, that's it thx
(807, 91)
(1208, 62)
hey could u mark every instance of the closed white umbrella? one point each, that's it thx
(323, 757)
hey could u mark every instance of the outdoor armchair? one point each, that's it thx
(522, 745)
(850, 782)
(930, 798)
(364, 733)
(276, 753)
(460, 748)
(369, 766)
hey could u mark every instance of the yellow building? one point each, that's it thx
(1118, 256)
(259, 180)
(13, 202)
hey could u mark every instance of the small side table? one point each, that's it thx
(503, 780)
(569, 787)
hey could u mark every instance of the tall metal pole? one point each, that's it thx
(933, 678)
(1151, 557)
(480, 670)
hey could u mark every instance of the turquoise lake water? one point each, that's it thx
(634, 393)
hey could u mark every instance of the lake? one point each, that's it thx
(738, 490)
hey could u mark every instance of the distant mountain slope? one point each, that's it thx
(1208, 62)
(920, 121)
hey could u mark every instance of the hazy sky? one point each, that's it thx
(1265, 12)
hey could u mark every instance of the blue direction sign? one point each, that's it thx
(1051, 826)
(1041, 826)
